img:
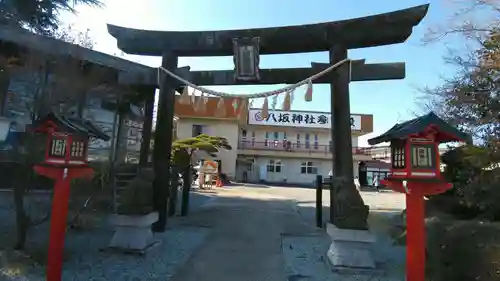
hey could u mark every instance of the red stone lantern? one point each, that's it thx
(416, 172)
(65, 160)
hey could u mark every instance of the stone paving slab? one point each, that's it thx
(245, 243)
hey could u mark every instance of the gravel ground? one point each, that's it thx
(83, 259)
(159, 263)
(305, 256)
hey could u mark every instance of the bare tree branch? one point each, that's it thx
(472, 19)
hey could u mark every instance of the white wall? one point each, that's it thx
(220, 128)
(291, 170)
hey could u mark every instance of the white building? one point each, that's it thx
(287, 147)
(292, 147)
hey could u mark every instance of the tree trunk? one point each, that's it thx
(174, 189)
(186, 187)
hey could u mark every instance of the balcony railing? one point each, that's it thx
(289, 146)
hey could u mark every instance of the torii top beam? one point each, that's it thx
(370, 31)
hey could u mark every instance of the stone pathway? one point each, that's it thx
(245, 243)
(260, 235)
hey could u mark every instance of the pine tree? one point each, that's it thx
(40, 16)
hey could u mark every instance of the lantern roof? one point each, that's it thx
(63, 123)
(445, 132)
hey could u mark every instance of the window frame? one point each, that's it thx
(273, 165)
(193, 129)
(308, 168)
(250, 165)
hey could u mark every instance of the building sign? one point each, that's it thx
(298, 119)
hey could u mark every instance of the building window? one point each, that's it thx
(331, 146)
(276, 136)
(308, 141)
(197, 130)
(243, 138)
(250, 163)
(316, 144)
(298, 140)
(274, 166)
(308, 168)
(266, 141)
(253, 138)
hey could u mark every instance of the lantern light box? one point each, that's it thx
(67, 139)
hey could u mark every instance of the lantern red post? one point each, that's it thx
(416, 172)
(415, 235)
(58, 226)
(415, 221)
(65, 160)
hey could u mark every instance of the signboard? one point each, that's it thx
(209, 167)
(298, 119)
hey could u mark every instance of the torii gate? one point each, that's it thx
(347, 208)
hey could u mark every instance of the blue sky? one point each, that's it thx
(388, 101)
